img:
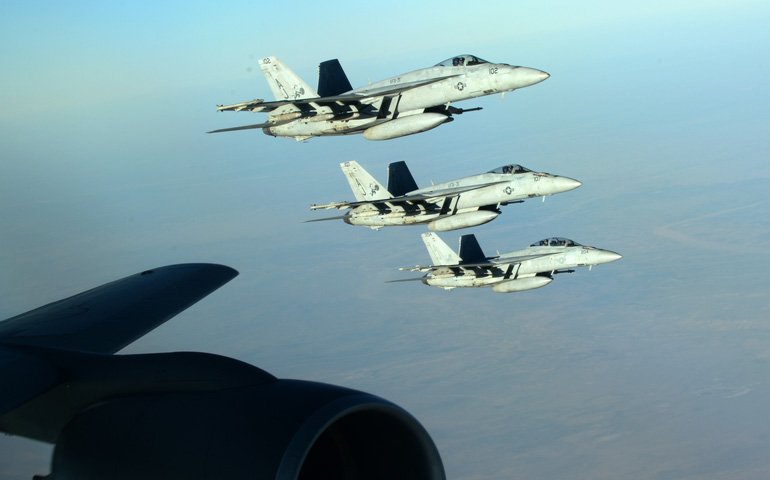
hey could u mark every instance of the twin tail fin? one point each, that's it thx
(284, 83)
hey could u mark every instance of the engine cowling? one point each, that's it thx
(287, 429)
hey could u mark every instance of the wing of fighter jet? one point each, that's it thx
(434, 196)
(184, 415)
(361, 96)
(493, 262)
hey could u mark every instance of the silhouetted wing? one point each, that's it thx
(107, 318)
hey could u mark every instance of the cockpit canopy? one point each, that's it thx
(556, 242)
(510, 169)
(461, 61)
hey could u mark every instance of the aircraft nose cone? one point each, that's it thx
(606, 256)
(565, 184)
(530, 76)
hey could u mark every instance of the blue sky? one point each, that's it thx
(651, 367)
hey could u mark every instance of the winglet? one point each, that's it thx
(109, 317)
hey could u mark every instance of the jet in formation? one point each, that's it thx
(532, 267)
(410, 103)
(184, 415)
(462, 203)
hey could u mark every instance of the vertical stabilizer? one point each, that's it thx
(364, 186)
(439, 252)
(332, 79)
(400, 180)
(284, 83)
(470, 250)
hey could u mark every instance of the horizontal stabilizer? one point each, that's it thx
(404, 280)
(257, 125)
(245, 127)
(109, 317)
(324, 219)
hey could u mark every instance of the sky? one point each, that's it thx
(652, 367)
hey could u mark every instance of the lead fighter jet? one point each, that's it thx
(410, 103)
(462, 203)
(526, 269)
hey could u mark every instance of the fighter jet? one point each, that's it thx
(184, 415)
(527, 269)
(410, 103)
(462, 203)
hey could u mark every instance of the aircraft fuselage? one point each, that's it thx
(470, 208)
(393, 108)
(548, 261)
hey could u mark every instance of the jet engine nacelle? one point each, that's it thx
(521, 284)
(286, 429)
(403, 126)
(462, 220)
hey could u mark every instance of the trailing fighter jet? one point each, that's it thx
(533, 267)
(410, 103)
(184, 415)
(462, 203)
